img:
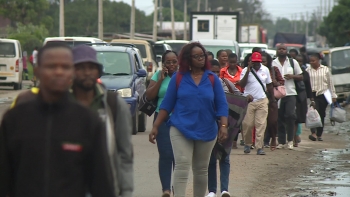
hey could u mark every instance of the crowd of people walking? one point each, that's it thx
(192, 110)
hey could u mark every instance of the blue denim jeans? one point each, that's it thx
(224, 173)
(166, 157)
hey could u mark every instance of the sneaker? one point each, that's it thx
(211, 194)
(266, 146)
(280, 146)
(290, 145)
(242, 143)
(260, 152)
(252, 147)
(246, 149)
(225, 194)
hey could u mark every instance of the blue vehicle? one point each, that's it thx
(124, 72)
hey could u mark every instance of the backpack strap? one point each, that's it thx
(227, 85)
(179, 78)
(112, 103)
(291, 62)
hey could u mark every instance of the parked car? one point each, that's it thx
(176, 45)
(74, 41)
(11, 63)
(124, 73)
(246, 48)
(147, 54)
(160, 48)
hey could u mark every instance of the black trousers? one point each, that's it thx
(321, 106)
(286, 119)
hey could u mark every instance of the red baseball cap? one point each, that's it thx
(256, 57)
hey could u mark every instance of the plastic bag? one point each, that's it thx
(337, 113)
(313, 119)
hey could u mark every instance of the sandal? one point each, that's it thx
(312, 138)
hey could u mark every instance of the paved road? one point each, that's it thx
(275, 174)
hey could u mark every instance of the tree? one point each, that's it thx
(29, 35)
(81, 18)
(25, 11)
(336, 26)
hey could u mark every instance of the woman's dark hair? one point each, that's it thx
(268, 59)
(214, 63)
(256, 49)
(233, 55)
(317, 55)
(51, 45)
(185, 58)
(294, 51)
(219, 53)
(210, 53)
(246, 60)
(228, 51)
(166, 53)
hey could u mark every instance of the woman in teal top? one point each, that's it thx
(156, 90)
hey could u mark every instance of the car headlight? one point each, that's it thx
(126, 92)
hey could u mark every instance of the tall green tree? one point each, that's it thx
(26, 11)
(336, 26)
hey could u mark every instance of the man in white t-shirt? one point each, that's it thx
(257, 110)
(286, 111)
(35, 56)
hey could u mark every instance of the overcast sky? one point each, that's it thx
(277, 8)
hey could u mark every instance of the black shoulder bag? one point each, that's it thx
(299, 85)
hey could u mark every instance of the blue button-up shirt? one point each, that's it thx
(195, 108)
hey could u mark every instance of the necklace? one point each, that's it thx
(197, 75)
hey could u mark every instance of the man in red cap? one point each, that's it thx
(255, 79)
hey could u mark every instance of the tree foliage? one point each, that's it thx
(29, 35)
(336, 26)
(25, 11)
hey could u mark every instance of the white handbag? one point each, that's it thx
(337, 113)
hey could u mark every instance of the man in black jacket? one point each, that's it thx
(51, 146)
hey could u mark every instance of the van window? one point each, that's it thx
(73, 43)
(340, 61)
(142, 49)
(159, 49)
(7, 49)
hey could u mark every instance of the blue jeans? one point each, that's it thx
(166, 157)
(224, 173)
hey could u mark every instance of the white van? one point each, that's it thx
(74, 41)
(11, 63)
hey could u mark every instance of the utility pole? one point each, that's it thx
(292, 22)
(100, 19)
(172, 20)
(321, 8)
(206, 5)
(61, 32)
(185, 19)
(132, 20)
(325, 8)
(295, 23)
(307, 25)
(161, 14)
(155, 17)
(329, 6)
(198, 5)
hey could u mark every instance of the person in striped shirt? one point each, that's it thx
(321, 82)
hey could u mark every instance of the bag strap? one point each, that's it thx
(262, 85)
(291, 62)
(179, 78)
(273, 73)
(112, 103)
(228, 85)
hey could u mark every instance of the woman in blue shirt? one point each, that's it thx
(157, 89)
(196, 100)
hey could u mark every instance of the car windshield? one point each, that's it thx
(114, 63)
(142, 49)
(7, 49)
(177, 46)
(214, 49)
(340, 61)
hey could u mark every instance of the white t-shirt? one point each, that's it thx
(285, 69)
(35, 56)
(253, 86)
